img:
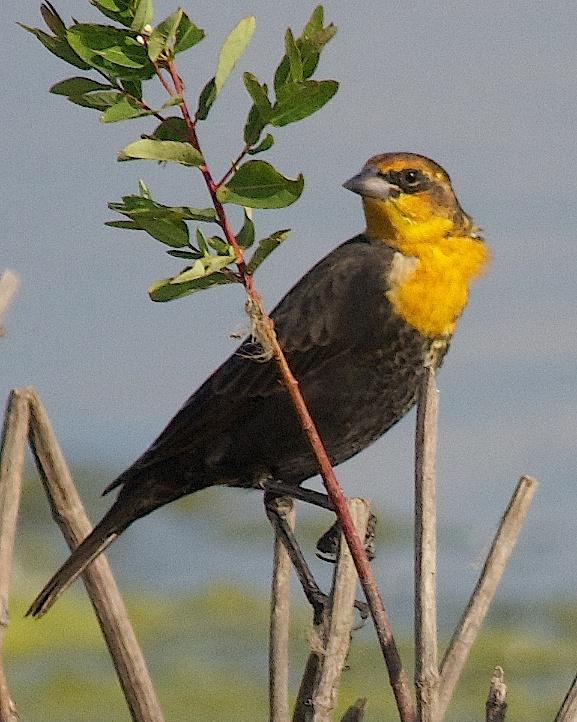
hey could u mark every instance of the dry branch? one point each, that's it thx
(497, 698)
(279, 620)
(426, 664)
(70, 516)
(470, 623)
(11, 467)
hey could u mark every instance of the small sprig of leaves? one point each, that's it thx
(130, 53)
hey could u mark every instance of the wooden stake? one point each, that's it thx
(11, 467)
(426, 665)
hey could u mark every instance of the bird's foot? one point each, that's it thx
(328, 544)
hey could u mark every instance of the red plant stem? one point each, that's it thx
(233, 166)
(397, 675)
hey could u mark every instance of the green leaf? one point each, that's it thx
(114, 51)
(170, 232)
(119, 10)
(187, 34)
(129, 225)
(143, 190)
(255, 123)
(258, 93)
(206, 99)
(299, 100)
(192, 255)
(294, 57)
(315, 22)
(257, 184)
(143, 15)
(162, 40)
(53, 20)
(204, 266)
(99, 100)
(265, 247)
(77, 86)
(245, 237)
(233, 47)
(173, 128)
(265, 144)
(201, 241)
(124, 109)
(133, 87)
(166, 291)
(57, 46)
(163, 150)
(143, 207)
(220, 246)
(310, 44)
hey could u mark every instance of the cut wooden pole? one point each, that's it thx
(70, 516)
(340, 621)
(330, 639)
(496, 705)
(426, 664)
(12, 450)
(482, 596)
(280, 620)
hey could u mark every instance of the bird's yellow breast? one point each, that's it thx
(428, 283)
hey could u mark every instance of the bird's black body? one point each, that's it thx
(358, 366)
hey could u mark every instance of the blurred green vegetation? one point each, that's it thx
(207, 652)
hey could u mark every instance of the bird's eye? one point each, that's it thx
(411, 177)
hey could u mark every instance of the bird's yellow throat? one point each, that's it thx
(428, 285)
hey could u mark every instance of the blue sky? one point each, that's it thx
(489, 90)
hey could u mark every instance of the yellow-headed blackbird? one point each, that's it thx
(358, 330)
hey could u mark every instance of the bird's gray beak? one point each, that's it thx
(369, 184)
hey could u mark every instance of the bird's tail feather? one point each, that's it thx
(96, 542)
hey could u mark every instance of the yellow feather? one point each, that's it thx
(431, 294)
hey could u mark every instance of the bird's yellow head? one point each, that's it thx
(410, 206)
(408, 199)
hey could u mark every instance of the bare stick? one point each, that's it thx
(279, 620)
(470, 623)
(11, 467)
(112, 616)
(568, 711)
(426, 663)
(8, 286)
(338, 634)
(497, 699)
